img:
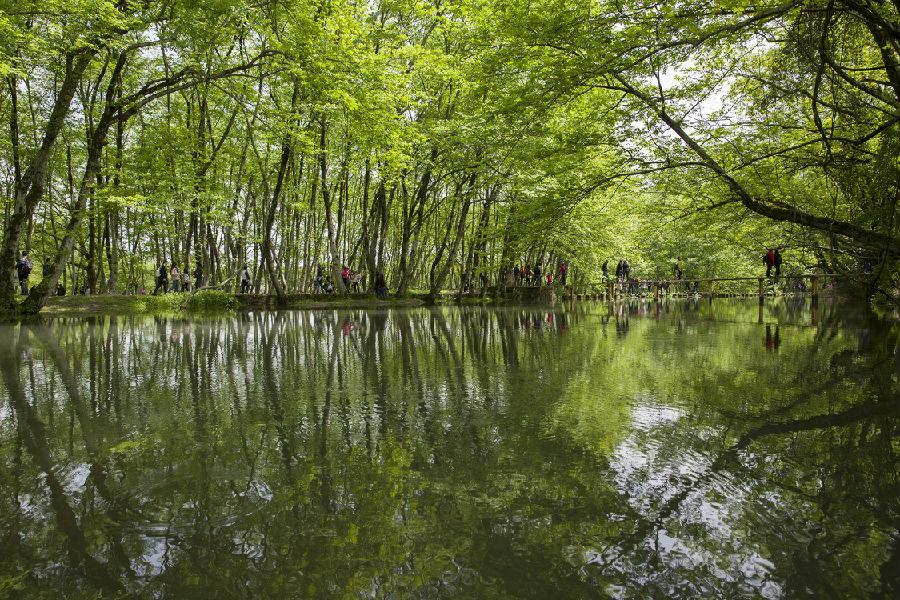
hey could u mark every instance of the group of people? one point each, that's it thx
(536, 276)
(180, 279)
(351, 280)
(629, 284)
(772, 259)
(623, 270)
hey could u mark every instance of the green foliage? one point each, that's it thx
(161, 304)
(435, 141)
(209, 301)
(201, 301)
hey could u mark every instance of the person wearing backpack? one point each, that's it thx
(245, 280)
(23, 270)
(776, 261)
(319, 281)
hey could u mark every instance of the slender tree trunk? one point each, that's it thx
(329, 216)
(286, 151)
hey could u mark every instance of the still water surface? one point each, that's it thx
(690, 450)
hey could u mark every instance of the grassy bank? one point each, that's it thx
(207, 301)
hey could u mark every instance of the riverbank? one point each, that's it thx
(209, 301)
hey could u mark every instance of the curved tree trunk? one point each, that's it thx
(30, 188)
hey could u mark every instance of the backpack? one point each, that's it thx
(23, 266)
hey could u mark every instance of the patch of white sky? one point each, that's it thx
(696, 114)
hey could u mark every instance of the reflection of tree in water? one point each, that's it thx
(819, 430)
(436, 450)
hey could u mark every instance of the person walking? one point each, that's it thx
(776, 261)
(162, 279)
(536, 275)
(549, 278)
(355, 279)
(185, 280)
(23, 271)
(245, 280)
(563, 270)
(198, 277)
(381, 290)
(345, 277)
(626, 268)
(517, 274)
(176, 278)
(769, 261)
(319, 281)
(604, 268)
(676, 271)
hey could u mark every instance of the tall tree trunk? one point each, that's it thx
(269, 224)
(409, 254)
(329, 216)
(440, 273)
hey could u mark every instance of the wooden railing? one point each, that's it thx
(614, 288)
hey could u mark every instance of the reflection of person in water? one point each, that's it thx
(772, 341)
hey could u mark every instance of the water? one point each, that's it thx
(695, 450)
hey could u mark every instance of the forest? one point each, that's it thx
(434, 140)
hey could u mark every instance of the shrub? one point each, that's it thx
(210, 301)
(161, 304)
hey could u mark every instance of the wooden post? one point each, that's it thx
(761, 293)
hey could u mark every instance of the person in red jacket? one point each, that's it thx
(563, 269)
(769, 260)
